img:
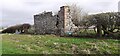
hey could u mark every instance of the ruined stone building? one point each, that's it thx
(60, 24)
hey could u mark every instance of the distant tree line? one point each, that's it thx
(22, 28)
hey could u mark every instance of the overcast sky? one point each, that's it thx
(21, 11)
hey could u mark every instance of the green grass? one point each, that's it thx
(51, 44)
(89, 32)
(0, 45)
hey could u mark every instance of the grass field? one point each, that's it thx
(51, 44)
(0, 45)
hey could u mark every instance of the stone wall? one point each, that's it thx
(68, 24)
(45, 23)
(60, 24)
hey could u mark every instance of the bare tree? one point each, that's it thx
(76, 13)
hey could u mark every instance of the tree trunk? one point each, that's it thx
(99, 30)
(104, 28)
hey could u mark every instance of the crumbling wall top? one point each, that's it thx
(64, 7)
(45, 14)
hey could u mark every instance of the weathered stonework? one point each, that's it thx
(46, 23)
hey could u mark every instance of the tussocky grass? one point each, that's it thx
(51, 44)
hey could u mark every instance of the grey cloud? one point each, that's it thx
(33, 3)
(119, 6)
(11, 16)
(15, 14)
(103, 4)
